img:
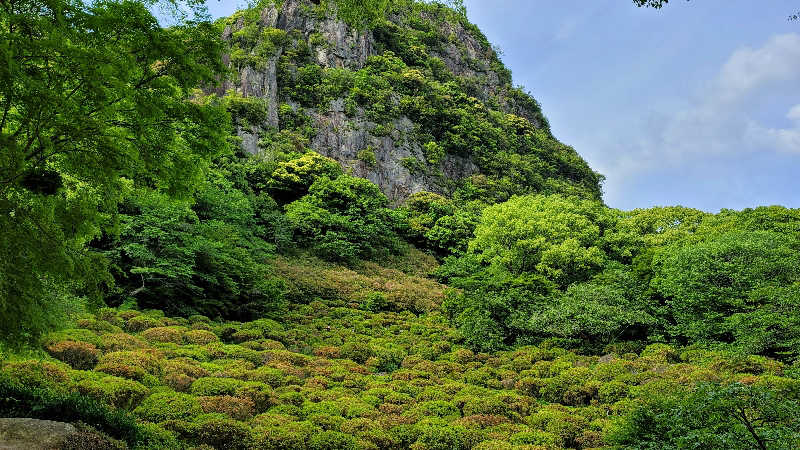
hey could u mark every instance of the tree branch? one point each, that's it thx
(741, 414)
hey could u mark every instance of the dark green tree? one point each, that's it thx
(741, 288)
(344, 219)
(94, 97)
(194, 258)
(730, 417)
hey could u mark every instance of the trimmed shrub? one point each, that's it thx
(436, 437)
(210, 386)
(234, 407)
(327, 422)
(140, 365)
(278, 432)
(185, 366)
(357, 351)
(163, 406)
(332, 440)
(487, 405)
(172, 335)
(200, 337)
(612, 392)
(115, 342)
(179, 382)
(79, 355)
(493, 445)
(73, 334)
(98, 326)
(140, 323)
(436, 408)
(260, 394)
(114, 391)
(269, 375)
(557, 420)
(661, 353)
(539, 438)
(36, 374)
(153, 436)
(221, 433)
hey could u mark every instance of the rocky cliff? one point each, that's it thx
(401, 101)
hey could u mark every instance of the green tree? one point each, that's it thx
(292, 179)
(525, 251)
(91, 94)
(605, 310)
(741, 288)
(555, 237)
(194, 258)
(730, 417)
(344, 219)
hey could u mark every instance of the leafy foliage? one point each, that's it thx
(738, 287)
(194, 259)
(734, 416)
(94, 94)
(344, 219)
(573, 270)
(339, 377)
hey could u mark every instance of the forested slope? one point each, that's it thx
(338, 225)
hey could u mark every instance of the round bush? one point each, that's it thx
(234, 407)
(163, 406)
(200, 337)
(279, 432)
(140, 323)
(115, 342)
(436, 437)
(221, 432)
(162, 335)
(260, 394)
(269, 375)
(115, 391)
(332, 440)
(37, 374)
(79, 355)
(211, 386)
(140, 365)
(357, 351)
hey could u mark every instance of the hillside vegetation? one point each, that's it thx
(338, 225)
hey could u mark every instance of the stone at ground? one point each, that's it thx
(33, 434)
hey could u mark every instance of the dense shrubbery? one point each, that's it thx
(194, 258)
(344, 220)
(335, 377)
(734, 416)
(563, 323)
(552, 267)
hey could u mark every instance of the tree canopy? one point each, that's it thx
(95, 98)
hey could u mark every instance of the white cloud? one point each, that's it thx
(781, 139)
(748, 69)
(794, 113)
(722, 119)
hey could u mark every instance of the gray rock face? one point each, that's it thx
(343, 138)
(32, 434)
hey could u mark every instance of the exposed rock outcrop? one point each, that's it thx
(342, 136)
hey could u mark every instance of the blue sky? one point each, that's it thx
(697, 104)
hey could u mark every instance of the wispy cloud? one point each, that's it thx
(749, 69)
(781, 139)
(723, 118)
